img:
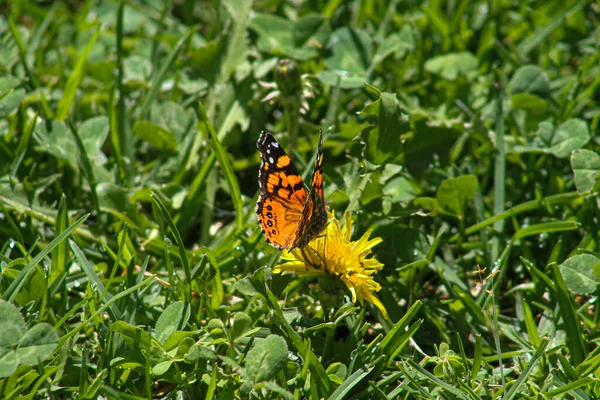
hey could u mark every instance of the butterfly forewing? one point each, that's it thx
(282, 194)
(289, 214)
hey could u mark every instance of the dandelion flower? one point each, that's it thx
(334, 254)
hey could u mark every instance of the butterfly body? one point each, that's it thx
(290, 214)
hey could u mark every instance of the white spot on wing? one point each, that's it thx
(271, 160)
(275, 144)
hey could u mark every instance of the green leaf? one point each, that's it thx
(386, 124)
(93, 133)
(237, 41)
(10, 96)
(241, 324)
(55, 139)
(522, 379)
(337, 372)
(455, 194)
(397, 338)
(8, 362)
(160, 76)
(348, 80)
(174, 118)
(310, 31)
(543, 32)
(66, 101)
(179, 340)
(267, 358)
(36, 344)
(399, 189)
(274, 32)
(397, 44)
(172, 319)
(351, 50)
(570, 135)
(572, 326)
(432, 140)
(586, 168)
(18, 283)
(155, 135)
(136, 337)
(136, 70)
(8, 82)
(426, 203)
(353, 380)
(182, 250)
(530, 79)
(274, 387)
(225, 163)
(450, 66)
(578, 273)
(280, 36)
(529, 102)
(85, 163)
(60, 253)
(93, 277)
(12, 326)
(545, 227)
(162, 367)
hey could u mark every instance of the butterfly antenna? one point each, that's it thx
(338, 187)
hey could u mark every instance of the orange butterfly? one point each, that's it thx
(290, 214)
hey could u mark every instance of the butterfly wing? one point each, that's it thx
(283, 194)
(316, 182)
(314, 214)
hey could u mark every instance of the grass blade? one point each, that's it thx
(570, 317)
(499, 165)
(66, 101)
(86, 166)
(561, 198)
(540, 35)
(353, 380)
(178, 240)
(96, 282)
(22, 147)
(16, 285)
(528, 370)
(436, 381)
(59, 254)
(159, 78)
(223, 158)
(548, 227)
(395, 338)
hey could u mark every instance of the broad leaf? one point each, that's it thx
(530, 79)
(570, 135)
(578, 273)
(12, 326)
(351, 50)
(450, 66)
(387, 124)
(155, 135)
(267, 358)
(172, 319)
(36, 344)
(455, 194)
(586, 167)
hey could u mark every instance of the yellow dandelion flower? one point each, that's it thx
(334, 254)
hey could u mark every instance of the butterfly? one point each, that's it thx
(289, 212)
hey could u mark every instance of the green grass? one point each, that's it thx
(464, 134)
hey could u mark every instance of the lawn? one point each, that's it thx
(453, 251)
